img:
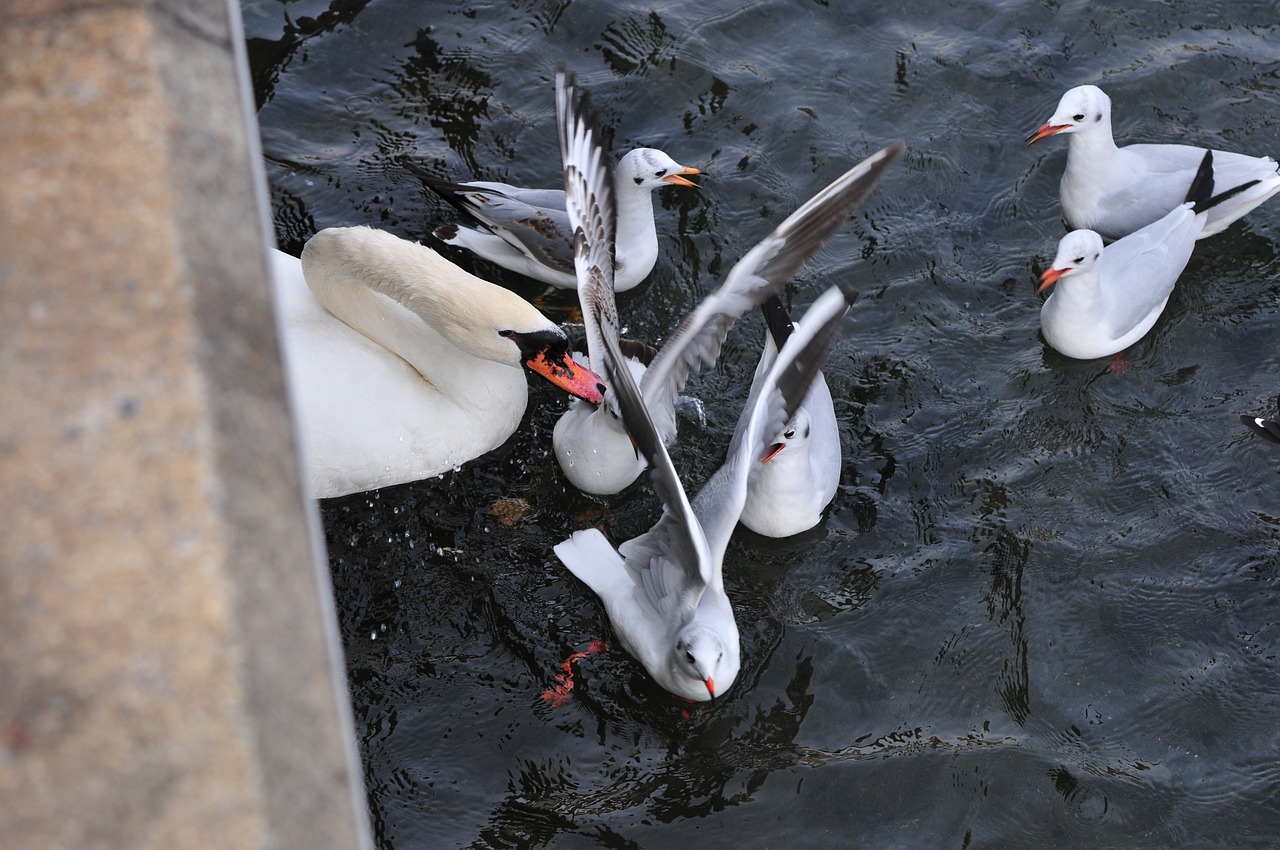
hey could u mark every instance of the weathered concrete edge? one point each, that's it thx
(293, 724)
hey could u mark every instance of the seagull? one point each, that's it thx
(402, 365)
(800, 470)
(527, 231)
(1108, 298)
(1267, 429)
(1115, 191)
(591, 442)
(664, 590)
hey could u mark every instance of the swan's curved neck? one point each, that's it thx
(411, 302)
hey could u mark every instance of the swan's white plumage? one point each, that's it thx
(381, 395)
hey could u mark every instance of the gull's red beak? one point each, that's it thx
(678, 180)
(711, 686)
(1045, 131)
(772, 452)
(569, 375)
(1050, 277)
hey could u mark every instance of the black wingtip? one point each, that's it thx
(803, 367)
(1201, 191)
(778, 320)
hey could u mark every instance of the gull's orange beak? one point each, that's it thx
(569, 375)
(1050, 277)
(711, 686)
(1045, 131)
(772, 452)
(678, 180)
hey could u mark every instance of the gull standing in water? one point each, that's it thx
(591, 442)
(800, 469)
(1115, 191)
(527, 231)
(1108, 298)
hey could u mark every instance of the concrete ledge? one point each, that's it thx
(171, 672)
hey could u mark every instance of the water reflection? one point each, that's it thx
(1040, 609)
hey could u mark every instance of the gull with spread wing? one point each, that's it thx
(664, 590)
(800, 469)
(590, 441)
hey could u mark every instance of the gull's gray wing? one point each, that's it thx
(773, 401)
(540, 231)
(696, 342)
(590, 212)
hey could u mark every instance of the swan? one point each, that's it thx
(401, 365)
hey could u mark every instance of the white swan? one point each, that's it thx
(402, 365)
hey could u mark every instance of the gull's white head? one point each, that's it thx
(1081, 109)
(1078, 251)
(793, 437)
(650, 168)
(704, 666)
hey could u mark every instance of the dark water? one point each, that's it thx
(1042, 610)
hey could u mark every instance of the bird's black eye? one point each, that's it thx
(660, 173)
(507, 334)
(789, 433)
(689, 655)
(1079, 116)
(1078, 260)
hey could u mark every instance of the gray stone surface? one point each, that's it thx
(170, 675)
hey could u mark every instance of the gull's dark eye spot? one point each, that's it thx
(689, 655)
(1078, 260)
(1079, 116)
(789, 433)
(639, 181)
(662, 173)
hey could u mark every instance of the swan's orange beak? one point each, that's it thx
(569, 375)
(1050, 277)
(1045, 131)
(678, 180)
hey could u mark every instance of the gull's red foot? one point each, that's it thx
(559, 693)
(1118, 365)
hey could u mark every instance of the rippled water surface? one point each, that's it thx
(1042, 610)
